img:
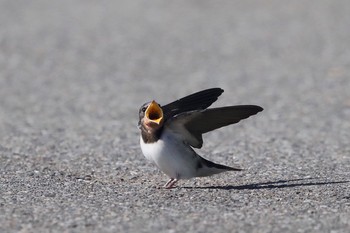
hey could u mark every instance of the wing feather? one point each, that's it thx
(191, 125)
(197, 101)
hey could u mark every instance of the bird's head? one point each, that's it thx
(151, 115)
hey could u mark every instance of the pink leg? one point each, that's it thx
(170, 184)
(169, 181)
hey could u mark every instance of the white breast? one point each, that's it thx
(171, 155)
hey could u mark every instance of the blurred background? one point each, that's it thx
(73, 75)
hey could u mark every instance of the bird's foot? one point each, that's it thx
(170, 184)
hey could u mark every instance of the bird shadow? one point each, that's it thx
(274, 184)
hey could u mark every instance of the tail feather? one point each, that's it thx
(208, 168)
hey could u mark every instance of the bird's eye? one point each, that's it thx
(143, 109)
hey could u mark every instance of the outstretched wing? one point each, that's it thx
(191, 125)
(197, 101)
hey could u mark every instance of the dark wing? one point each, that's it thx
(197, 101)
(191, 125)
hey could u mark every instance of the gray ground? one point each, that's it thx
(74, 73)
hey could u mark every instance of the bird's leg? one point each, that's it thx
(167, 183)
(170, 184)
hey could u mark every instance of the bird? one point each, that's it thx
(170, 133)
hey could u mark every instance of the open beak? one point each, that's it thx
(154, 113)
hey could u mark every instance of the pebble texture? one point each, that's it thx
(74, 73)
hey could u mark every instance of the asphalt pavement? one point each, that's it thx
(73, 75)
